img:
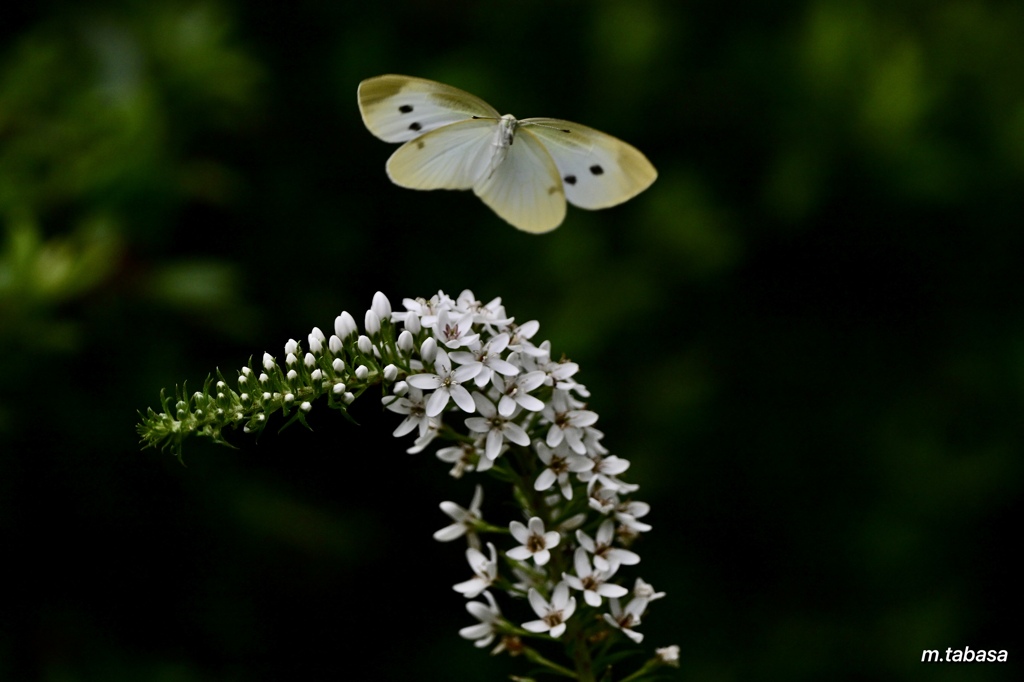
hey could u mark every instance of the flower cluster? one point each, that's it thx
(464, 374)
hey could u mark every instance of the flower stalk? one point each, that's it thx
(464, 376)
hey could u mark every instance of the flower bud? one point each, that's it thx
(381, 306)
(428, 350)
(344, 325)
(372, 323)
(412, 323)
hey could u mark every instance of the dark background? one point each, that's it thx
(807, 336)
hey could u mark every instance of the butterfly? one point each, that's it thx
(525, 170)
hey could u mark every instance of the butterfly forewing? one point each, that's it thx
(597, 170)
(525, 171)
(455, 156)
(525, 188)
(401, 108)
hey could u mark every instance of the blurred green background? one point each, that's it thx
(808, 335)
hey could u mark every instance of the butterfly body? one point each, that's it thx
(525, 170)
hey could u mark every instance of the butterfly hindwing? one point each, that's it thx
(525, 188)
(454, 156)
(401, 108)
(597, 170)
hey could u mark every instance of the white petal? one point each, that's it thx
(494, 443)
(467, 372)
(449, 533)
(539, 604)
(528, 402)
(462, 398)
(503, 367)
(427, 382)
(610, 590)
(516, 434)
(520, 553)
(519, 531)
(437, 402)
(536, 626)
(545, 480)
(478, 425)
(582, 562)
(484, 405)
(506, 406)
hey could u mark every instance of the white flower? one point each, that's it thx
(498, 428)
(520, 336)
(535, 542)
(669, 655)
(627, 514)
(485, 570)
(558, 465)
(421, 443)
(489, 314)
(457, 333)
(604, 471)
(446, 384)
(592, 582)
(554, 614)
(603, 500)
(606, 557)
(488, 357)
(489, 617)
(464, 457)
(414, 407)
(646, 590)
(567, 423)
(628, 618)
(465, 520)
(515, 391)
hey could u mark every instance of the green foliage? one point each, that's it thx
(821, 282)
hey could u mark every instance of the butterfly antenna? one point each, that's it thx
(561, 130)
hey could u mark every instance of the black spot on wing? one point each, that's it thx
(415, 126)
(405, 108)
(420, 144)
(596, 169)
(571, 179)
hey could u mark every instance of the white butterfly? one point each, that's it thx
(454, 140)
